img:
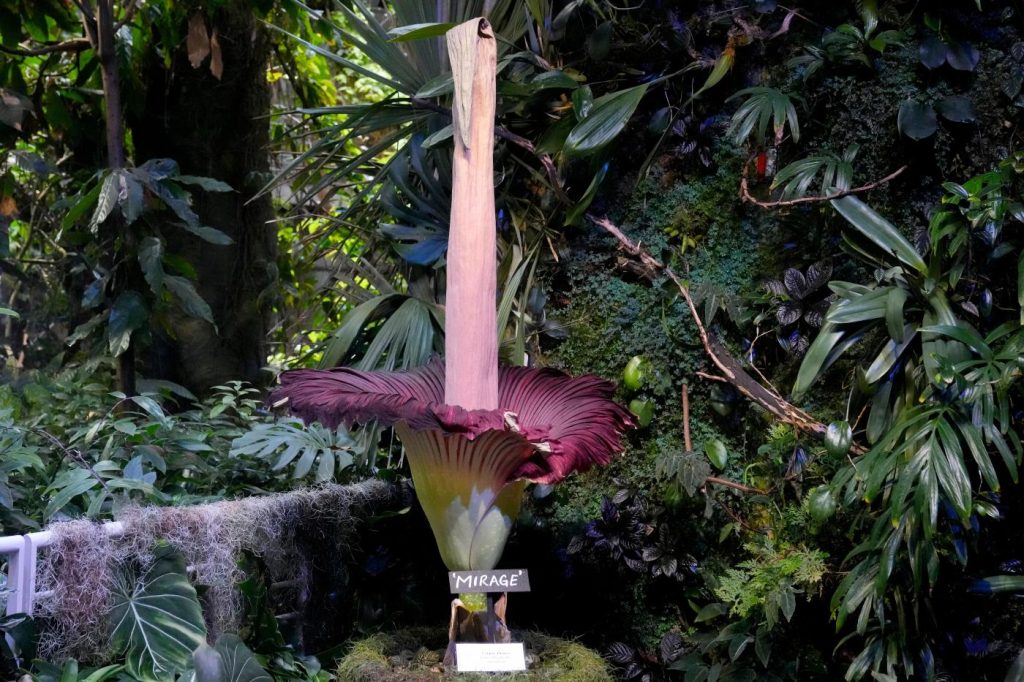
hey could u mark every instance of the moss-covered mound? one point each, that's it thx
(414, 655)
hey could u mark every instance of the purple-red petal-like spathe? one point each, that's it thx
(570, 423)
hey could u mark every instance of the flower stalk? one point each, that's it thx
(474, 434)
(471, 335)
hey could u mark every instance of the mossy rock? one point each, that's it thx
(414, 655)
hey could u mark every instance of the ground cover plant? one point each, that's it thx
(789, 235)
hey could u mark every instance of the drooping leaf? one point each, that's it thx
(880, 231)
(156, 619)
(151, 254)
(815, 358)
(401, 34)
(607, 118)
(188, 298)
(87, 201)
(208, 184)
(106, 201)
(894, 321)
(575, 214)
(722, 66)
(128, 313)
(209, 234)
(131, 198)
(159, 169)
(888, 355)
(229, 661)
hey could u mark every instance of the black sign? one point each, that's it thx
(512, 580)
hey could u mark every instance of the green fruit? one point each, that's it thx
(643, 409)
(820, 503)
(838, 437)
(635, 374)
(716, 452)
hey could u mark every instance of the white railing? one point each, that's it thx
(22, 555)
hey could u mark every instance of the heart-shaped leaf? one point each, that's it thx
(932, 52)
(916, 120)
(956, 108)
(157, 620)
(962, 56)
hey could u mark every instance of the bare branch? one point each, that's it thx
(731, 369)
(74, 45)
(734, 485)
(746, 196)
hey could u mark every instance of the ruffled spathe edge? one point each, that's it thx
(568, 423)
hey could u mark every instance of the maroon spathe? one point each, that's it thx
(566, 423)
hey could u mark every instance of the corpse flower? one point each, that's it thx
(470, 466)
(474, 434)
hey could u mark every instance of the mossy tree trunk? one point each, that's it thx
(216, 127)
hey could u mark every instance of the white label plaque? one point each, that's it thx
(479, 658)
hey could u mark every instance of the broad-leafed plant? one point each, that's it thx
(938, 373)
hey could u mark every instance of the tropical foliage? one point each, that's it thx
(836, 186)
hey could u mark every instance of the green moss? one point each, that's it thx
(414, 655)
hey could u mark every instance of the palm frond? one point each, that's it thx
(836, 174)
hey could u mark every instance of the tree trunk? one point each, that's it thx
(218, 128)
(115, 156)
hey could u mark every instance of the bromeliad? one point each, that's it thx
(474, 434)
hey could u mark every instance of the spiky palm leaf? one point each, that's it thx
(836, 173)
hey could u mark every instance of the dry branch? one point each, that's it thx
(74, 45)
(731, 369)
(746, 196)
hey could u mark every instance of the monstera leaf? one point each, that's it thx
(157, 620)
(229, 661)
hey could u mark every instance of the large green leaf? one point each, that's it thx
(189, 299)
(815, 358)
(128, 313)
(106, 201)
(401, 34)
(156, 618)
(879, 230)
(608, 116)
(229, 661)
(151, 257)
(888, 355)
(722, 66)
(208, 184)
